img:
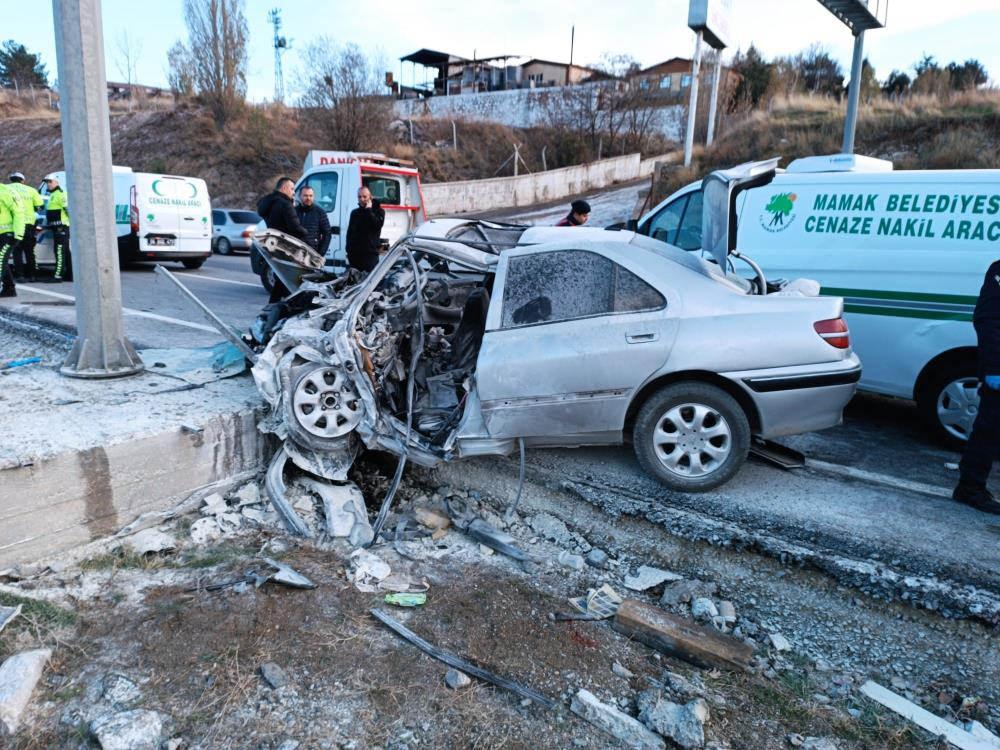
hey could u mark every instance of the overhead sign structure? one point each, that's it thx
(711, 20)
(859, 16)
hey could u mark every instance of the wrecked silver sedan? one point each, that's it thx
(472, 338)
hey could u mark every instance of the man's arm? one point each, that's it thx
(295, 227)
(378, 214)
(324, 232)
(987, 322)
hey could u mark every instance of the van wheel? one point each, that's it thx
(193, 263)
(948, 400)
(691, 436)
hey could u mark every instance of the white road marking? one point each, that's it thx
(216, 278)
(876, 478)
(125, 310)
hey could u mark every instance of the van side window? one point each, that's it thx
(325, 186)
(663, 226)
(689, 233)
(385, 190)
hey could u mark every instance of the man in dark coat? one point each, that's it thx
(364, 232)
(314, 220)
(983, 447)
(277, 209)
(579, 212)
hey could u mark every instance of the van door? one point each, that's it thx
(174, 215)
(327, 187)
(399, 193)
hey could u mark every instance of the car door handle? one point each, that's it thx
(642, 338)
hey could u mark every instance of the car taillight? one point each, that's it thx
(247, 233)
(834, 332)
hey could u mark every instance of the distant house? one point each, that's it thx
(126, 91)
(672, 78)
(536, 73)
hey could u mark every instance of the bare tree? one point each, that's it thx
(217, 51)
(129, 50)
(346, 93)
(180, 70)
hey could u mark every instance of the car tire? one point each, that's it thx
(223, 246)
(948, 400)
(192, 264)
(268, 279)
(691, 436)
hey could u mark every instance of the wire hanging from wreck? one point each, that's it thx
(415, 353)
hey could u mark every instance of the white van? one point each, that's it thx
(336, 177)
(158, 217)
(906, 249)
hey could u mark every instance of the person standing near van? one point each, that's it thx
(364, 232)
(983, 447)
(57, 219)
(24, 252)
(10, 232)
(314, 220)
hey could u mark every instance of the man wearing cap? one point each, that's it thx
(579, 212)
(11, 230)
(57, 218)
(24, 251)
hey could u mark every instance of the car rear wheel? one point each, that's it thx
(223, 246)
(691, 436)
(949, 401)
(193, 263)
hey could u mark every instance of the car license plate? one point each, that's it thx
(161, 241)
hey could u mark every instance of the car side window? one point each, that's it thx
(689, 233)
(663, 226)
(324, 184)
(570, 284)
(218, 218)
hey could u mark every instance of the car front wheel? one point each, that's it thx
(693, 437)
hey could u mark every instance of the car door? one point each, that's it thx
(327, 188)
(218, 221)
(570, 335)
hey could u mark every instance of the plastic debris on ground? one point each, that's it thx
(7, 615)
(406, 600)
(598, 604)
(197, 366)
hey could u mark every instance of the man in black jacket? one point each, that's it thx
(277, 209)
(314, 221)
(364, 232)
(983, 447)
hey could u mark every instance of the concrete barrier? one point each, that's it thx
(442, 198)
(72, 498)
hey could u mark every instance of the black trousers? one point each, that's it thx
(7, 243)
(64, 261)
(983, 447)
(24, 254)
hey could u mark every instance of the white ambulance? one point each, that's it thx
(158, 217)
(336, 177)
(907, 250)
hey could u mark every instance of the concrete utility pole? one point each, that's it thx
(693, 104)
(853, 94)
(101, 349)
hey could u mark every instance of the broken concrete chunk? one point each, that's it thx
(612, 721)
(248, 494)
(213, 505)
(255, 515)
(345, 511)
(779, 642)
(18, 676)
(550, 527)
(684, 724)
(205, 530)
(120, 691)
(621, 671)
(571, 561)
(703, 609)
(128, 730)
(682, 592)
(727, 612)
(647, 577)
(597, 558)
(273, 675)
(7, 615)
(432, 519)
(457, 680)
(149, 541)
(818, 743)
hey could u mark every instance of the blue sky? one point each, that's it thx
(649, 30)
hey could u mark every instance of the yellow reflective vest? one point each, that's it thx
(10, 212)
(58, 202)
(31, 201)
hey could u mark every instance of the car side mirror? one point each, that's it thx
(537, 310)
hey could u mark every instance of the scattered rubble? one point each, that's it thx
(273, 675)
(684, 724)
(457, 680)
(18, 676)
(138, 729)
(779, 642)
(7, 615)
(621, 671)
(682, 592)
(149, 541)
(120, 692)
(597, 558)
(704, 609)
(630, 732)
(647, 577)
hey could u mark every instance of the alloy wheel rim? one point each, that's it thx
(692, 440)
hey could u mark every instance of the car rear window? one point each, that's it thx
(244, 217)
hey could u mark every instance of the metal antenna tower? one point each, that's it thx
(280, 45)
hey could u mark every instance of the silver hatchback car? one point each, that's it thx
(474, 338)
(233, 229)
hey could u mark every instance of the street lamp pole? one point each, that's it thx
(101, 349)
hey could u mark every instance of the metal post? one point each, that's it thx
(693, 104)
(101, 349)
(853, 93)
(714, 101)
(454, 136)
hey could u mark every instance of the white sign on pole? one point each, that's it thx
(714, 19)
